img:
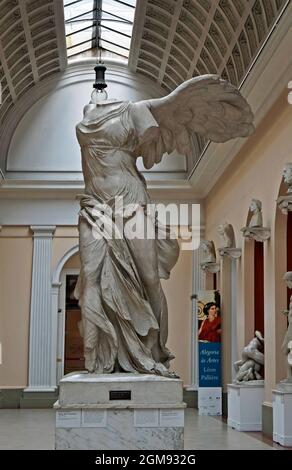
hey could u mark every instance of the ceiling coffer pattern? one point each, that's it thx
(32, 46)
(180, 39)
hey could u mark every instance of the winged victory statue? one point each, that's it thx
(124, 310)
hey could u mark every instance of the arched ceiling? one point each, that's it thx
(32, 46)
(174, 40)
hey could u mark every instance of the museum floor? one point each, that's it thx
(34, 429)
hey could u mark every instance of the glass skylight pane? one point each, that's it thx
(116, 49)
(77, 38)
(80, 48)
(73, 27)
(115, 37)
(131, 3)
(78, 8)
(119, 9)
(115, 27)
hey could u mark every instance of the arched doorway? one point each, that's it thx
(69, 345)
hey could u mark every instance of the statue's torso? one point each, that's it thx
(108, 142)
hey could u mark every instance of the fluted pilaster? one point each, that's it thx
(40, 340)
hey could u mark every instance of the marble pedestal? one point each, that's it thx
(282, 414)
(119, 412)
(245, 405)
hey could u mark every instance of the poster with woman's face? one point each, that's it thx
(209, 318)
(209, 338)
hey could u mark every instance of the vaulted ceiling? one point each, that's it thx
(32, 46)
(172, 40)
(179, 39)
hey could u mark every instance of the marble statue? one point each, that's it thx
(124, 310)
(289, 359)
(287, 342)
(256, 210)
(287, 175)
(255, 230)
(252, 359)
(288, 279)
(208, 251)
(227, 236)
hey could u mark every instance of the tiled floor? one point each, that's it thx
(34, 429)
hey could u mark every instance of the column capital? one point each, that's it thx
(43, 231)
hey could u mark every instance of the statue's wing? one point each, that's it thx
(206, 105)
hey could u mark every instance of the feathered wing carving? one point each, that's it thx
(206, 105)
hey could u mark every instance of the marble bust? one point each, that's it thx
(252, 359)
(208, 251)
(255, 230)
(287, 176)
(227, 235)
(285, 201)
(256, 210)
(124, 309)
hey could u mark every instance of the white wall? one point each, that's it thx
(44, 140)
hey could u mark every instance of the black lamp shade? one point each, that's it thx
(99, 77)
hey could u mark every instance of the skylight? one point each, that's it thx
(101, 27)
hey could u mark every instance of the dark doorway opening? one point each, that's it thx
(259, 305)
(74, 357)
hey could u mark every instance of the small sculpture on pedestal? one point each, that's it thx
(256, 210)
(287, 342)
(285, 202)
(209, 257)
(252, 359)
(288, 279)
(228, 241)
(255, 230)
(282, 394)
(227, 235)
(287, 175)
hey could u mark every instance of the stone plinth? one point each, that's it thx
(119, 411)
(245, 405)
(282, 414)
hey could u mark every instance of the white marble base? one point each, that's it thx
(282, 414)
(91, 413)
(82, 387)
(245, 405)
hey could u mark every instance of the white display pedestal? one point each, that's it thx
(282, 414)
(119, 412)
(245, 405)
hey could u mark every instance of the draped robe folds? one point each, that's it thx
(120, 328)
